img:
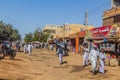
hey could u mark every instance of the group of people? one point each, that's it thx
(61, 49)
(28, 48)
(95, 57)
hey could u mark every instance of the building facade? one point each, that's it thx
(64, 31)
(111, 17)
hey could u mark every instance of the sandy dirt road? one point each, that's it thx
(44, 65)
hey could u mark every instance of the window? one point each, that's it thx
(109, 45)
(116, 18)
(101, 45)
(105, 45)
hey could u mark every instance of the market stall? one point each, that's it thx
(106, 37)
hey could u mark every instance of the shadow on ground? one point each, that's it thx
(76, 68)
(4, 79)
(66, 66)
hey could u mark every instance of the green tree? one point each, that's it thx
(39, 35)
(28, 37)
(2, 27)
(13, 33)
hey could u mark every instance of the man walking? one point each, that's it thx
(61, 52)
(29, 48)
(85, 55)
(93, 58)
(25, 48)
(102, 58)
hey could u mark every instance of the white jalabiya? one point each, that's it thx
(85, 56)
(29, 49)
(93, 59)
(102, 57)
(25, 48)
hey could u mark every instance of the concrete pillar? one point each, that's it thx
(77, 44)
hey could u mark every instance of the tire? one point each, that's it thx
(12, 54)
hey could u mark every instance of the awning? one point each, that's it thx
(113, 39)
(98, 41)
(107, 40)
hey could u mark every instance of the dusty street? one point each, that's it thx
(44, 65)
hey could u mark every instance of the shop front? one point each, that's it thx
(79, 41)
(72, 38)
(105, 37)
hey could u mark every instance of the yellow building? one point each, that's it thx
(63, 31)
(52, 29)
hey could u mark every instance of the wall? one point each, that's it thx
(111, 16)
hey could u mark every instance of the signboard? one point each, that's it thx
(104, 32)
(100, 32)
(81, 34)
(113, 32)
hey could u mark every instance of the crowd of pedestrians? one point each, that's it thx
(94, 57)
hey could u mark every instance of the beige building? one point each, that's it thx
(63, 31)
(112, 17)
(53, 29)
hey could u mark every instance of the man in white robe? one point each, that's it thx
(93, 56)
(102, 58)
(29, 49)
(85, 55)
(25, 48)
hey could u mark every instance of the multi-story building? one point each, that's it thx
(64, 31)
(112, 16)
(52, 29)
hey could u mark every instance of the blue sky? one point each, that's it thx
(27, 15)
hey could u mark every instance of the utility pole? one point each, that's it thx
(86, 17)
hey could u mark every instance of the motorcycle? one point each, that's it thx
(6, 50)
